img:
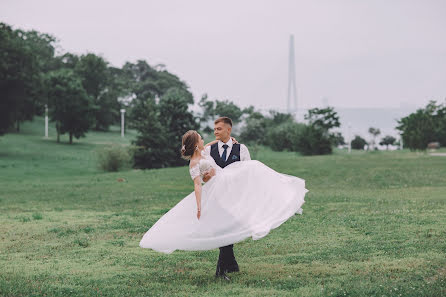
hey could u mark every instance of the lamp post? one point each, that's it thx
(349, 138)
(122, 122)
(46, 121)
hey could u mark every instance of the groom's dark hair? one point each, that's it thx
(225, 120)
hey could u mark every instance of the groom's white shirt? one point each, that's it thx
(244, 152)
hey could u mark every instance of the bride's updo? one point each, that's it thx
(189, 143)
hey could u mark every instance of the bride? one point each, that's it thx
(245, 199)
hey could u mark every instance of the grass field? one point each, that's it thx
(374, 224)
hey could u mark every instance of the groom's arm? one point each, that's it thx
(244, 153)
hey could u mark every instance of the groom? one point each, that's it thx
(225, 152)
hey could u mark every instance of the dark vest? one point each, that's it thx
(233, 157)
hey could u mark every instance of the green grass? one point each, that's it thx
(373, 225)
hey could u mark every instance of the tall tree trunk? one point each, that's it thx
(71, 138)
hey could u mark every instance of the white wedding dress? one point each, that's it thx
(245, 199)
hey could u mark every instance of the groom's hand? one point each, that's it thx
(207, 176)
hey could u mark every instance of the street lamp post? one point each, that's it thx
(122, 122)
(46, 121)
(349, 138)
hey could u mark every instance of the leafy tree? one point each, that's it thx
(324, 118)
(152, 140)
(175, 114)
(145, 82)
(207, 112)
(117, 89)
(21, 71)
(268, 130)
(67, 60)
(161, 127)
(211, 110)
(285, 136)
(254, 131)
(69, 105)
(338, 139)
(387, 140)
(375, 132)
(358, 143)
(227, 108)
(94, 73)
(316, 136)
(313, 140)
(424, 126)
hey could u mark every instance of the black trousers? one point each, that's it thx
(226, 260)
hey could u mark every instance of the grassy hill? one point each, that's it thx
(373, 224)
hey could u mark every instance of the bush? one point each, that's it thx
(114, 158)
(424, 126)
(284, 136)
(314, 141)
(254, 131)
(358, 143)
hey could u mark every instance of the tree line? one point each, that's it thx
(84, 92)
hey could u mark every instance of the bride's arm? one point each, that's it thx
(211, 143)
(197, 188)
(215, 141)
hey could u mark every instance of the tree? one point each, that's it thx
(152, 140)
(338, 139)
(207, 112)
(316, 138)
(269, 130)
(144, 82)
(358, 143)
(254, 131)
(285, 136)
(375, 132)
(387, 140)
(313, 140)
(161, 127)
(227, 108)
(424, 126)
(21, 74)
(175, 114)
(94, 73)
(69, 105)
(324, 118)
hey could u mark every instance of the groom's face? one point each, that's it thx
(222, 131)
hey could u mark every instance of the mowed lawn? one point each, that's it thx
(374, 224)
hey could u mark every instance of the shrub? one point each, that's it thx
(284, 136)
(254, 131)
(114, 158)
(358, 143)
(314, 141)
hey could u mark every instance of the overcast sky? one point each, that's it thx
(375, 53)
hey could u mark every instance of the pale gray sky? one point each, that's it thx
(370, 53)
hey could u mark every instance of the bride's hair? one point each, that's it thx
(189, 143)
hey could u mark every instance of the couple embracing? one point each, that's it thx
(232, 200)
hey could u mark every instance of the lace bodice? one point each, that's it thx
(202, 167)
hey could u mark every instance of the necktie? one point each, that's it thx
(225, 146)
